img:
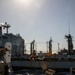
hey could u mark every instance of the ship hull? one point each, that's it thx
(37, 64)
(34, 69)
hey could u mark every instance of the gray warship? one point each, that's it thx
(64, 60)
(16, 40)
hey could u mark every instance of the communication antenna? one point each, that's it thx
(69, 27)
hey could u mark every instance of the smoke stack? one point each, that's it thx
(0, 31)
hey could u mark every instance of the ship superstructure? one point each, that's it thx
(16, 40)
(19, 60)
(58, 62)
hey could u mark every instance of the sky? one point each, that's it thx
(40, 20)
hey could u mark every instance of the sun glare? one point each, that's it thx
(26, 2)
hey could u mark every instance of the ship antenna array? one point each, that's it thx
(69, 26)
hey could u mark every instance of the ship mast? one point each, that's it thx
(6, 26)
(50, 45)
(69, 39)
(70, 44)
(32, 47)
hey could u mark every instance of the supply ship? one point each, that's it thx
(63, 60)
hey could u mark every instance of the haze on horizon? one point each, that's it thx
(40, 20)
